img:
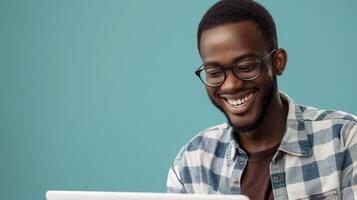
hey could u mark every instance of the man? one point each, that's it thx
(271, 148)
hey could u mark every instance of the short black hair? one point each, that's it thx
(233, 11)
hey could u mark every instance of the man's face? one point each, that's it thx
(224, 45)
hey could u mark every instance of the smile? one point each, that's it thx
(241, 101)
(238, 103)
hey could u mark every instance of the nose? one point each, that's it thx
(232, 82)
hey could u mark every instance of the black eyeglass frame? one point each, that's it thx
(259, 60)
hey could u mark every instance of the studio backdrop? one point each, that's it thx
(101, 95)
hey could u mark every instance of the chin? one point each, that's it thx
(246, 123)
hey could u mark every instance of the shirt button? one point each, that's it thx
(235, 181)
(277, 178)
(241, 162)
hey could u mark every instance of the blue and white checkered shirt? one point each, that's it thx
(317, 158)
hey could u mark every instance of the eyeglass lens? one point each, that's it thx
(245, 70)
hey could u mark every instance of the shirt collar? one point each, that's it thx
(295, 140)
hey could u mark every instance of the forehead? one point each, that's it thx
(232, 40)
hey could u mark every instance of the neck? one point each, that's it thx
(271, 131)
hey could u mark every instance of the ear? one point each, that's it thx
(280, 59)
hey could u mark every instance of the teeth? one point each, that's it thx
(239, 102)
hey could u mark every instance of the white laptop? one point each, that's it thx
(81, 195)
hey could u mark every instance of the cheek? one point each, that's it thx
(269, 71)
(212, 93)
(266, 79)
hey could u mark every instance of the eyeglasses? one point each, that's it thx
(245, 69)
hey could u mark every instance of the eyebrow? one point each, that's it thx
(235, 60)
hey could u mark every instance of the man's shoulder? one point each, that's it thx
(313, 114)
(338, 123)
(213, 135)
(215, 132)
(213, 140)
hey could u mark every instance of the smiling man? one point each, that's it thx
(271, 148)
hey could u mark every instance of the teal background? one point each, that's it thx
(101, 95)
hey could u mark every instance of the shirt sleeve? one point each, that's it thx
(349, 166)
(174, 181)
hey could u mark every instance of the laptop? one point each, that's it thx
(82, 195)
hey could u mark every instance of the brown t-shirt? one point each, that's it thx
(256, 177)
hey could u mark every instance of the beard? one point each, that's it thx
(267, 99)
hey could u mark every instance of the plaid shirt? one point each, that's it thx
(317, 158)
